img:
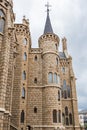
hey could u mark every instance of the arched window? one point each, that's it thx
(64, 84)
(2, 21)
(58, 79)
(56, 61)
(24, 75)
(65, 94)
(25, 56)
(22, 116)
(23, 92)
(68, 91)
(62, 94)
(50, 77)
(67, 121)
(63, 69)
(59, 116)
(56, 46)
(35, 80)
(55, 78)
(25, 41)
(35, 58)
(63, 118)
(58, 95)
(66, 111)
(35, 109)
(70, 118)
(54, 116)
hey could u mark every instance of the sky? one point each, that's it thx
(69, 19)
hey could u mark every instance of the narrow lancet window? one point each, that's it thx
(22, 116)
(50, 77)
(2, 21)
(54, 116)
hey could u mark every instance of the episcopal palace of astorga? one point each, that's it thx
(37, 85)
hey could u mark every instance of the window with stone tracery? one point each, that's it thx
(2, 21)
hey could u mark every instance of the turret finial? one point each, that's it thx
(48, 26)
(48, 5)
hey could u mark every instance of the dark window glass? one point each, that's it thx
(56, 61)
(67, 121)
(22, 116)
(66, 111)
(35, 80)
(65, 94)
(58, 95)
(54, 116)
(69, 92)
(35, 109)
(35, 58)
(63, 118)
(59, 116)
(70, 118)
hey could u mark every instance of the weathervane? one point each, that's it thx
(48, 5)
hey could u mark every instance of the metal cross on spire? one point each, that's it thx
(48, 5)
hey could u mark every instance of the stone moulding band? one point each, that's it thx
(49, 126)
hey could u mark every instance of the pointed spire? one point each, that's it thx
(48, 26)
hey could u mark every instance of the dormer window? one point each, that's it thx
(2, 21)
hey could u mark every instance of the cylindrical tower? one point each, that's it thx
(51, 92)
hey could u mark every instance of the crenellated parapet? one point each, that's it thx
(22, 29)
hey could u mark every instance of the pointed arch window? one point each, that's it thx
(59, 116)
(55, 78)
(69, 91)
(2, 21)
(58, 95)
(35, 80)
(54, 116)
(65, 94)
(66, 111)
(63, 118)
(70, 118)
(63, 69)
(67, 121)
(35, 109)
(25, 56)
(35, 58)
(64, 84)
(56, 61)
(50, 77)
(23, 92)
(56, 46)
(22, 116)
(24, 75)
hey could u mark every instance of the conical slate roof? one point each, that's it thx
(48, 26)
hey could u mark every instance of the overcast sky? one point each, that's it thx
(69, 19)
